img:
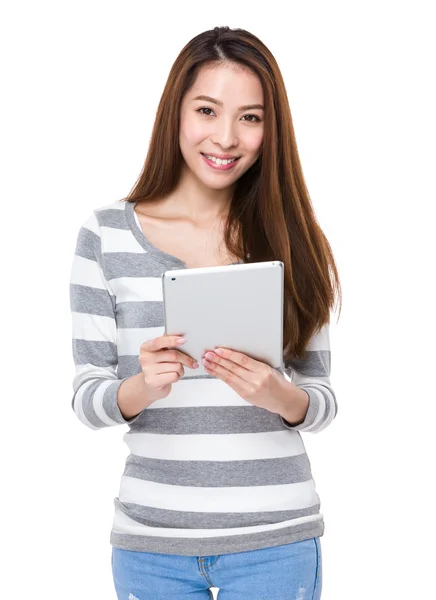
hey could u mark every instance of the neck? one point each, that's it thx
(197, 202)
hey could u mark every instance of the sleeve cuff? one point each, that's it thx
(311, 414)
(111, 404)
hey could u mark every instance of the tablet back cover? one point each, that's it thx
(236, 306)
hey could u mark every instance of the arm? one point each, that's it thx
(295, 404)
(313, 402)
(94, 340)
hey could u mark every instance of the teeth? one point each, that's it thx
(220, 161)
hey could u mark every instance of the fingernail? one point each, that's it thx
(196, 365)
(180, 340)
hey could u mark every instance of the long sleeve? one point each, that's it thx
(94, 334)
(312, 374)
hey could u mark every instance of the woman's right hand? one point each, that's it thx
(162, 364)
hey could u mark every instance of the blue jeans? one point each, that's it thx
(291, 571)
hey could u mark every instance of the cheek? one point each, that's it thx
(192, 132)
(254, 141)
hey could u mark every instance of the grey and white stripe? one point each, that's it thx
(208, 472)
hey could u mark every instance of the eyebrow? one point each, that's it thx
(219, 103)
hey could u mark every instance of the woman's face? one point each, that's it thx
(228, 122)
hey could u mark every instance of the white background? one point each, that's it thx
(81, 82)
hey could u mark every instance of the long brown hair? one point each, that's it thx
(271, 211)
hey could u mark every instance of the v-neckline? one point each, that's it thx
(168, 260)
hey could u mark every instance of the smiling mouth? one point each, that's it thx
(220, 161)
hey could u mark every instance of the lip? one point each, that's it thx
(218, 167)
(222, 156)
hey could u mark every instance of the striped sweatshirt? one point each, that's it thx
(208, 473)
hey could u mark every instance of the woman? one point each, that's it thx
(217, 490)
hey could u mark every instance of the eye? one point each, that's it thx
(203, 108)
(255, 119)
(255, 116)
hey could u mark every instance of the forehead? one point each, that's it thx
(227, 82)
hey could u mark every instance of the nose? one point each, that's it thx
(224, 134)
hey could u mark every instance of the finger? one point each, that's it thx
(164, 341)
(168, 367)
(215, 360)
(240, 385)
(166, 378)
(174, 355)
(238, 357)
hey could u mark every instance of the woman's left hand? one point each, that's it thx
(255, 381)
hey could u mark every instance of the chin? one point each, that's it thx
(212, 180)
(216, 185)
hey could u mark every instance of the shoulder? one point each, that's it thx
(107, 214)
(119, 206)
(111, 215)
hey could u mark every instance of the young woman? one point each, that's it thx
(217, 490)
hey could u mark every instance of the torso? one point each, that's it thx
(196, 245)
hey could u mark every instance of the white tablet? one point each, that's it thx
(237, 306)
